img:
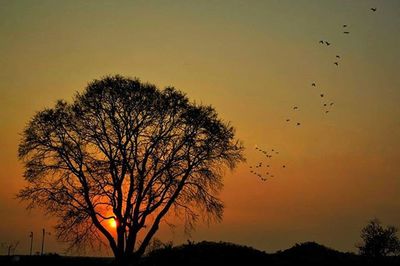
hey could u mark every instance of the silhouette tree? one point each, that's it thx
(378, 241)
(127, 152)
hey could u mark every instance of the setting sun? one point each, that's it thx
(112, 223)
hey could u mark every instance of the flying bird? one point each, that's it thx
(327, 43)
(322, 95)
(338, 56)
(373, 9)
(295, 108)
(325, 104)
(336, 63)
(346, 32)
(331, 104)
(345, 25)
(284, 166)
(321, 42)
(287, 120)
(298, 124)
(326, 111)
(313, 84)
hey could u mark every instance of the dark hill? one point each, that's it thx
(311, 253)
(207, 253)
(222, 253)
(218, 254)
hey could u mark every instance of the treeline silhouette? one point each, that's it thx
(218, 253)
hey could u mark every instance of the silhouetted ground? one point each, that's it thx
(55, 260)
(211, 253)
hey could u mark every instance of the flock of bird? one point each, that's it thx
(263, 169)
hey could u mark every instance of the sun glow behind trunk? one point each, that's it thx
(112, 223)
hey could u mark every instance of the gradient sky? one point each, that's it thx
(253, 61)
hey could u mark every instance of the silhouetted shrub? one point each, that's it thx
(379, 241)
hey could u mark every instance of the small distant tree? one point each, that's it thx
(379, 241)
(111, 164)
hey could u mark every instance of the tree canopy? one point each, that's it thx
(379, 241)
(127, 151)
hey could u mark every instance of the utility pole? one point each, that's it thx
(42, 242)
(12, 247)
(31, 237)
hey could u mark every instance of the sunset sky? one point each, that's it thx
(253, 61)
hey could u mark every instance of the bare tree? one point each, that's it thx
(127, 152)
(378, 241)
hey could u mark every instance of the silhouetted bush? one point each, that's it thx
(379, 241)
